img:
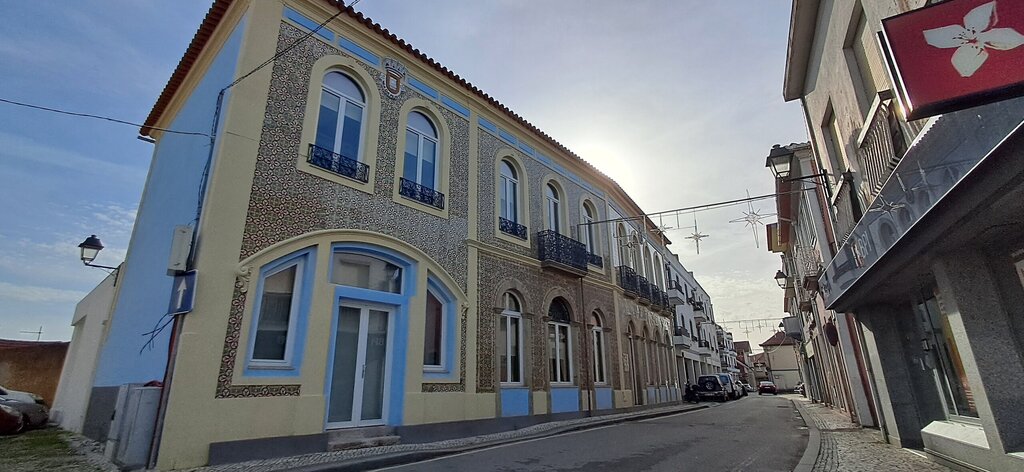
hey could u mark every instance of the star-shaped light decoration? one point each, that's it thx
(696, 237)
(752, 218)
(885, 206)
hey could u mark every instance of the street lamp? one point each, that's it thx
(90, 248)
(780, 160)
(782, 279)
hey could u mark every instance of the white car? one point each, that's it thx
(25, 397)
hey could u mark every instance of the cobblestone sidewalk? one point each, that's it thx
(311, 461)
(848, 447)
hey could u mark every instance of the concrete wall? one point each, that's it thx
(90, 322)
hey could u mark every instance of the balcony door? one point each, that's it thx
(360, 372)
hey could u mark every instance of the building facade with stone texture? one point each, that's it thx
(378, 243)
(925, 232)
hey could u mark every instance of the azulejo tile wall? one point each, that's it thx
(286, 203)
(495, 277)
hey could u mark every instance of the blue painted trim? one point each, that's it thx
(400, 339)
(527, 149)
(487, 125)
(309, 24)
(449, 301)
(604, 398)
(565, 399)
(515, 401)
(458, 107)
(422, 87)
(307, 257)
(358, 50)
(507, 136)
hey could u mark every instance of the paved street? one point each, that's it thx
(754, 433)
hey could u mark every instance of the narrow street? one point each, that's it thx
(753, 433)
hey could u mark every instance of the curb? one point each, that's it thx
(810, 456)
(401, 458)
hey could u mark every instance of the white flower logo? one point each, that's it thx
(973, 38)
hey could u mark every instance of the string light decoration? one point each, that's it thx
(752, 218)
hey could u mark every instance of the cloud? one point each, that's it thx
(31, 293)
(16, 150)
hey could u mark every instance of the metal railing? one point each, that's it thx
(847, 211)
(420, 193)
(881, 147)
(595, 260)
(337, 164)
(511, 227)
(627, 279)
(644, 287)
(555, 247)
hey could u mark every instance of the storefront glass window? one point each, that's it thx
(948, 367)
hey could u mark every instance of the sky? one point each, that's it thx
(679, 101)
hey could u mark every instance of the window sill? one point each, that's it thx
(513, 385)
(308, 168)
(418, 205)
(498, 233)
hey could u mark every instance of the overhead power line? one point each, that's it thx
(96, 117)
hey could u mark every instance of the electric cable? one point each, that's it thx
(97, 117)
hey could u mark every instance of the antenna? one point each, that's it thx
(39, 334)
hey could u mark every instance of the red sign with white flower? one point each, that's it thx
(957, 54)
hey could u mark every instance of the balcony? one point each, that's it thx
(645, 289)
(658, 298)
(676, 296)
(512, 228)
(683, 342)
(420, 193)
(561, 252)
(882, 143)
(337, 164)
(595, 260)
(847, 208)
(699, 315)
(627, 280)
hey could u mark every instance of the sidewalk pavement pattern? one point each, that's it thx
(382, 456)
(845, 446)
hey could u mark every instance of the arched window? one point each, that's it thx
(553, 203)
(588, 230)
(559, 342)
(622, 241)
(509, 192)
(597, 334)
(647, 264)
(510, 346)
(421, 150)
(342, 107)
(659, 271)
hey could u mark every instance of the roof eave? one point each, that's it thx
(798, 49)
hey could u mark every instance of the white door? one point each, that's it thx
(360, 374)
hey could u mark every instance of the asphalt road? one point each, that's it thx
(753, 433)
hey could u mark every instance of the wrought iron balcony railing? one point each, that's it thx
(627, 279)
(847, 209)
(420, 193)
(511, 227)
(644, 286)
(562, 250)
(337, 164)
(595, 260)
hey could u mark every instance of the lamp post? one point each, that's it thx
(782, 279)
(90, 248)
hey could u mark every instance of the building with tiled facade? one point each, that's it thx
(378, 243)
(924, 261)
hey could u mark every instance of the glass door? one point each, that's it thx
(360, 373)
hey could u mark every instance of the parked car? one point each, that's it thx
(767, 387)
(739, 389)
(747, 387)
(33, 415)
(27, 397)
(729, 384)
(711, 387)
(799, 388)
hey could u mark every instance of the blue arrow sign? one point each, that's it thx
(183, 293)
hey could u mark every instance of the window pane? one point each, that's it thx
(375, 368)
(427, 164)
(513, 202)
(412, 145)
(563, 353)
(433, 332)
(341, 83)
(275, 314)
(503, 348)
(419, 122)
(515, 349)
(598, 356)
(507, 170)
(351, 131)
(951, 376)
(358, 270)
(504, 198)
(552, 353)
(327, 122)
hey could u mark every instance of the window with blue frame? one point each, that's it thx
(438, 329)
(279, 312)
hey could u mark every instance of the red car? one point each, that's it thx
(767, 387)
